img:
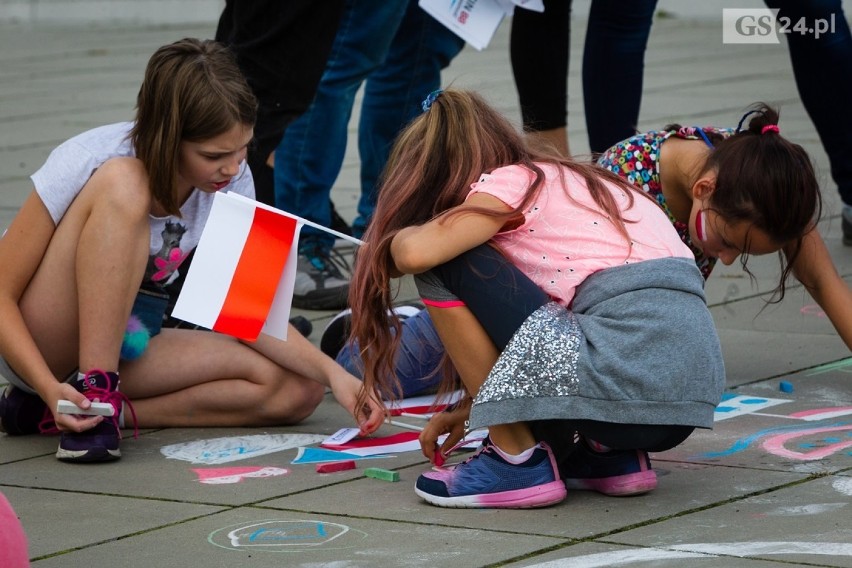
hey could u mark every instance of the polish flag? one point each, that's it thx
(242, 277)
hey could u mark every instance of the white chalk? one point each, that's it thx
(404, 425)
(97, 408)
(341, 436)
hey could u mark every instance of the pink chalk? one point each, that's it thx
(335, 466)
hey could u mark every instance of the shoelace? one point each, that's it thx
(442, 457)
(330, 260)
(114, 397)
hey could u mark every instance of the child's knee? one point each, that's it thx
(291, 401)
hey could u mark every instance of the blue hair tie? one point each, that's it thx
(704, 136)
(430, 98)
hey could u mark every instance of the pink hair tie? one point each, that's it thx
(770, 128)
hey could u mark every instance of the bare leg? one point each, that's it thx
(199, 378)
(78, 302)
(473, 354)
(556, 138)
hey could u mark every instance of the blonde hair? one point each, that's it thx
(193, 91)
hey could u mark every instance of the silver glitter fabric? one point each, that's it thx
(539, 361)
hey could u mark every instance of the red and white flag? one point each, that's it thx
(241, 279)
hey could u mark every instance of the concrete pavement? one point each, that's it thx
(771, 485)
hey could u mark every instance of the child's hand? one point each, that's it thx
(449, 422)
(346, 389)
(71, 422)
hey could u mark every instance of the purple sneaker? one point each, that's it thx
(101, 442)
(22, 413)
(486, 479)
(617, 473)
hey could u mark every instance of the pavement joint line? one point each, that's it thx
(125, 536)
(820, 368)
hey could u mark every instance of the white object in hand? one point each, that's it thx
(97, 408)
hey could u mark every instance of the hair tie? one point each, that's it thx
(770, 128)
(430, 98)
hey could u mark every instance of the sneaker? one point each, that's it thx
(336, 333)
(486, 479)
(302, 324)
(101, 442)
(320, 284)
(617, 473)
(22, 413)
(847, 225)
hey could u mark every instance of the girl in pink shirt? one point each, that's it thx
(502, 239)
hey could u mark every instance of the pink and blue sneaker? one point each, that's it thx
(100, 443)
(618, 473)
(488, 480)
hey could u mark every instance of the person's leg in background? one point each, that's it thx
(822, 65)
(539, 50)
(281, 48)
(421, 48)
(309, 157)
(613, 68)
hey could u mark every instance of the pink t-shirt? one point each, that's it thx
(561, 242)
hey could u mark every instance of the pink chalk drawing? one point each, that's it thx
(775, 444)
(813, 310)
(776, 439)
(224, 475)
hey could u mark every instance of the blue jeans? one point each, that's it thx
(418, 361)
(400, 51)
(823, 70)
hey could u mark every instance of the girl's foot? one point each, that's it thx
(488, 479)
(617, 473)
(100, 443)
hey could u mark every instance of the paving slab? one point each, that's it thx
(600, 514)
(807, 522)
(259, 537)
(770, 486)
(599, 555)
(88, 518)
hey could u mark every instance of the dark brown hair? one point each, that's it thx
(193, 91)
(765, 180)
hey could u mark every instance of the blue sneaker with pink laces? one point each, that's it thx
(488, 480)
(100, 443)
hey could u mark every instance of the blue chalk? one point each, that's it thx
(785, 386)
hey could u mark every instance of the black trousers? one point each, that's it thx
(281, 47)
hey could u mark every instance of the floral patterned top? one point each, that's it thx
(637, 160)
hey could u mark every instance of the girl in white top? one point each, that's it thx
(114, 213)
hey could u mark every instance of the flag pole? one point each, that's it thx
(337, 234)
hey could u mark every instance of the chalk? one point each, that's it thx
(383, 474)
(97, 408)
(335, 466)
(785, 386)
(404, 425)
(341, 437)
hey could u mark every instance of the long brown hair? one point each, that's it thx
(431, 167)
(193, 91)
